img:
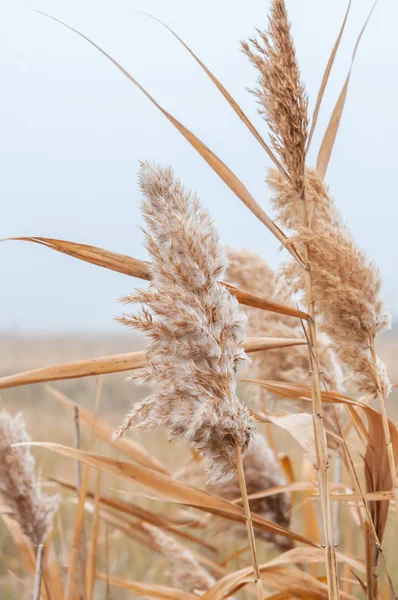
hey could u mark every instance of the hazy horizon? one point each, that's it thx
(73, 131)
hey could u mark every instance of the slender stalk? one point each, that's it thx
(39, 563)
(371, 565)
(383, 411)
(319, 429)
(92, 561)
(249, 523)
(79, 543)
(337, 477)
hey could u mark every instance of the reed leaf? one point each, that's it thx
(329, 138)
(117, 363)
(170, 489)
(220, 168)
(142, 270)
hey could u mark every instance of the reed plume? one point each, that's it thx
(19, 489)
(347, 286)
(250, 271)
(186, 572)
(195, 326)
(280, 92)
(284, 105)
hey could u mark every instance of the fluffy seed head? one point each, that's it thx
(280, 93)
(195, 326)
(19, 489)
(249, 271)
(346, 285)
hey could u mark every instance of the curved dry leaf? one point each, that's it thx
(147, 590)
(170, 489)
(329, 138)
(52, 583)
(139, 533)
(103, 430)
(276, 575)
(295, 486)
(141, 269)
(92, 557)
(225, 93)
(117, 363)
(325, 78)
(156, 519)
(301, 428)
(83, 368)
(113, 261)
(220, 168)
(303, 392)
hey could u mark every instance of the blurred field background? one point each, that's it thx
(47, 420)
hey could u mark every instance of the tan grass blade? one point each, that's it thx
(300, 427)
(235, 106)
(92, 559)
(141, 269)
(274, 574)
(170, 489)
(261, 344)
(137, 532)
(378, 477)
(136, 511)
(94, 255)
(51, 576)
(84, 368)
(295, 486)
(250, 299)
(325, 78)
(23, 545)
(117, 363)
(302, 392)
(146, 590)
(103, 430)
(311, 525)
(329, 138)
(51, 572)
(78, 542)
(212, 160)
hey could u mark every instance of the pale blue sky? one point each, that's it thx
(73, 129)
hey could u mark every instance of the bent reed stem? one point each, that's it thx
(386, 428)
(249, 523)
(39, 563)
(319, 429)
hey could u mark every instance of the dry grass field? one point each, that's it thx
(47, 420)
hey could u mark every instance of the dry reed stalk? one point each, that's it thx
(39, 563)
(141, 269)
(249, 525)
(92, 560)
(284, 106)
(82, 533)
(78, 543)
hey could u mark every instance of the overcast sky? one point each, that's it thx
(72, 130)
